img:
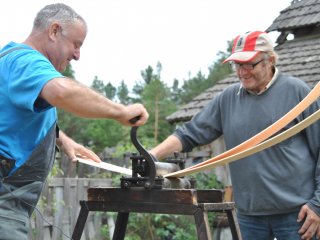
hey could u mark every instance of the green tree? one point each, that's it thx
(98, 85)
(218, 70)
(156, 98)
(69, 72)
(110, 91)
(104, 133)
(101, 133)
(137, 91)
(147, 74)
(176, 92)
(159, 69)
(123, 93)
(193, 87)
(198, 84)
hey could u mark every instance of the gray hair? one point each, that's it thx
(274, 55)
(59, 13)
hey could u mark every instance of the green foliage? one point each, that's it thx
(198, 84)
(194, 87)
(160, 227)
(156, 98)
(73, 126)
(104, 230)
(147, 74)
(123, 93)
(110, 91)
(98, 85)
(104, 132)
(176, 92)
(69, 71)
(207, 181)
(218, 70)
(137, 90)
(55, 170)
(157, 227)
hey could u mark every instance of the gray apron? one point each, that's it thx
(20, 192)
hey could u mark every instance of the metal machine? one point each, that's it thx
(148, 172)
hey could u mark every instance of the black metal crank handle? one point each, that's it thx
(134, 120)
(147, 156)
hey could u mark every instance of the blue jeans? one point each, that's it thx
(269, 227)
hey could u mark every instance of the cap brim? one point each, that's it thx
(241, 56)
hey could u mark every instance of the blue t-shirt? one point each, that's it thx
(25, 118)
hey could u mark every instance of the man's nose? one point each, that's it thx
(76, 55)
(242, 70)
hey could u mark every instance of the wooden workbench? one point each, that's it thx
(167, 201)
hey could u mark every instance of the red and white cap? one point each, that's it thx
(247, 46)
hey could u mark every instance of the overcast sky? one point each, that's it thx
(125, 36)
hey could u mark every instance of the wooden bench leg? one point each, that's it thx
(234, 226)
(81, 221)
(121, 225)
(202, 224)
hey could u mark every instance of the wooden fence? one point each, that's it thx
(59, 207)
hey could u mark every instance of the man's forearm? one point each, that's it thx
(167, 147)
(80, 100)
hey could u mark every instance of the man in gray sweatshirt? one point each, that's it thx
(276, 191)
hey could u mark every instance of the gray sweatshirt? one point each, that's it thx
(279, 179)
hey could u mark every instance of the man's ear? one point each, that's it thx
(54, 30)
(273, 60)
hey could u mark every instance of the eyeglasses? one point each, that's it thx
(246, 66)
